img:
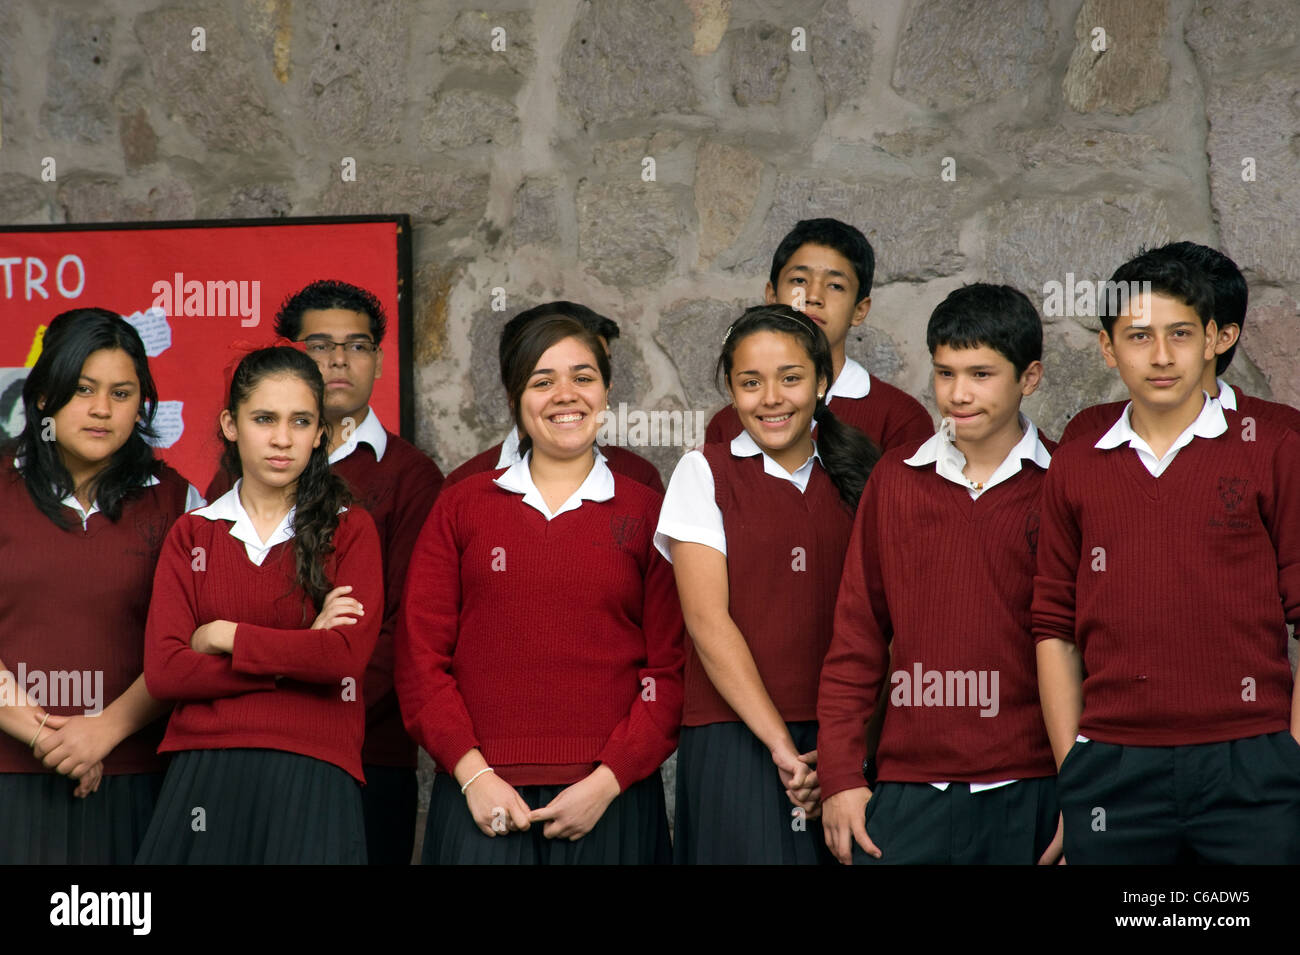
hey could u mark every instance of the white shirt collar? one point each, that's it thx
(1227, 397)
(744, 446)
(853, 382)
(949, 462)
(1210, 423)
(510, 450)
(371, 431)
(597, 486)
(72, 502)
(228, 508)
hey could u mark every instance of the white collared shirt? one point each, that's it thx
(228, 508)
(1210, 423)
(853, 382)
(193, 498)
(949, 462)
(371, 431)
(598, 485)
(510, 450)
(1227, 397)
(689, 511)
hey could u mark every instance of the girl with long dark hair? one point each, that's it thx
(85, 507)
(539, 651)
(265, 610)
(756, 529)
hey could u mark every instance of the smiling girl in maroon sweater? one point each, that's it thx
(270, 718)
(756, 529)
(539, 652)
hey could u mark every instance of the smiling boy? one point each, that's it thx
(1180, 742)
(824, 268)
(941, 563)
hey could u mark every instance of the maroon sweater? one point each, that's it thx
(620, 460)
(286, 686)
(784, 554)
(551, 646)
(77, 600)
(398, 493)
(1097, 420)
(949, 581)
(887, 415)
(1176, 589)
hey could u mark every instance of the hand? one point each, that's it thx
(809, 795)
(90, 781)
(72, 745)
(844, 817)
(576, 809)
(213, 638)
(496, 806)
(1054, 854)
(790, 767)
(338, 610)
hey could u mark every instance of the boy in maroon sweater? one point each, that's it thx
(965, 768)
(342, 327)
(1163, 674)
(823, 268)
(1230, 297)
(619, 460)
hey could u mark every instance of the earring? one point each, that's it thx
(819, 396)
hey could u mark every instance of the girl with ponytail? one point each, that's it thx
(266, 607)
(756, 529)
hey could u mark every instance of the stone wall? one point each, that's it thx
(525, 167)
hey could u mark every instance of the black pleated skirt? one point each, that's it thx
(731, 807)
(633, 831)
(255, 807)
(42, 823)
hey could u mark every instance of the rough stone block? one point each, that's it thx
(726, 186)
(628, 231)
(1131, 71)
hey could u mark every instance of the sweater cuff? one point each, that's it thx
(838, 782)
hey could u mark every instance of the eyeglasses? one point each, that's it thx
(324, 347)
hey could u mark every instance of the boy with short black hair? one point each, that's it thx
(1180, 743)
(824, 268)
(502, 455)
(1230, 297)
(342, 327)
(941, 563)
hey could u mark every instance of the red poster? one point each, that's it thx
(193, 290)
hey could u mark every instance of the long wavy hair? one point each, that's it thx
(319, 492)
(70, 339)
(847, 454)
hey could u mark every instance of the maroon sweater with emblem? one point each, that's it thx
(949, 581)
(551, 646)
(620, 460)
(887, 415)
(1176, 590)
(77, 600)
(784, 554)
(398, 493)
(1097, 420)
(286, 686)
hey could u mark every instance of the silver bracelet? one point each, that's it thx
(485, 769)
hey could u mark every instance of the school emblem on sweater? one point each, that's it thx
(1031, 531)
(151, 529)
(1232, 491)
(623, 528)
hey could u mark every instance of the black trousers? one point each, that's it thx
(917, 824)
(389, 800)
(1220, 803)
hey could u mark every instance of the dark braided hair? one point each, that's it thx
(847, 454)
(320, 492)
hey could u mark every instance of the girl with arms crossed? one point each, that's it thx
(756, 529)
(86, 507)
(539, 653)
(265, 610)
